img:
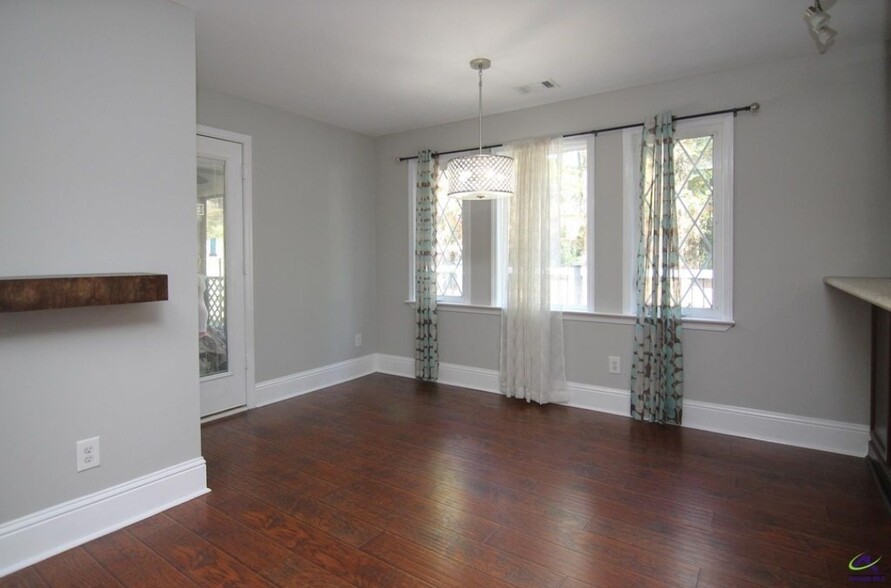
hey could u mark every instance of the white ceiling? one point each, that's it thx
(384, 66)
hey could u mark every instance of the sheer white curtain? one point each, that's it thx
(532, 365)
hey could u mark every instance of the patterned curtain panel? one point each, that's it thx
(426, 344)
(657, 372)
(532, 365)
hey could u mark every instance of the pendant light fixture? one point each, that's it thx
(481, 176)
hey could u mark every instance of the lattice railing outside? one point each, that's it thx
(215, 297)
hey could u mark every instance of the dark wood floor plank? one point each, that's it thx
(309, 510)
(596, 554)
(388, 472)
(338, 464)
(198, 559)
(740, 552)
(342, 560)
(26, 578)
(712, 578)
(583, 568)
(576, 493)
(716, 492)
(736, 516)
(296, 481)
(75, 563)
(420, 509)
(220, 492)
(335, 474)
(367, 507)
(824, 545)
(429, 565)
(251, 548)
(503, 483)
(133, 563)
(447, 543)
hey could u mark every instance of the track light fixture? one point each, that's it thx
(817, 20)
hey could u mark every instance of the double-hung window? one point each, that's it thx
(572, 265)
(703, 176)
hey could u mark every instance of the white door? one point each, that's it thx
(221, 280)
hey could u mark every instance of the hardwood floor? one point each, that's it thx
(384, 481)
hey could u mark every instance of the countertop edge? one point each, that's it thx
(876, 291)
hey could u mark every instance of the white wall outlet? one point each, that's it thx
(358, 339)
(87, 454)
(615, 364)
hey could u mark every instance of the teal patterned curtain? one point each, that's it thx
(657, 372)
(426, 344)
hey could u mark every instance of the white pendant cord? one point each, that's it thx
(481, 110)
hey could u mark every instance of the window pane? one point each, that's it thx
(569, 281)
(694, 184)
(449, 247)
(212, 328)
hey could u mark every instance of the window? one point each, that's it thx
(703, 156)
(452, 241)
(571, 286)
(450, 235)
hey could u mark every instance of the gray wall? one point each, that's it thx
(314, 235)
(811, 199)
(97, 174)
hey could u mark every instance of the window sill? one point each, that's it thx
(691, 324)
(462, 308)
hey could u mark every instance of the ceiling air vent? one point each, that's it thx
(538, 87)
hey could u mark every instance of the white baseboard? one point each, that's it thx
(37, 536)
(279, 389)
(450, 374)
(800, 431)
(599, 398)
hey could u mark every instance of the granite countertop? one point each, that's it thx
(876, 291)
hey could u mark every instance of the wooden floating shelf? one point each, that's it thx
(19, 294)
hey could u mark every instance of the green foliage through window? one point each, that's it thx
(694, 185)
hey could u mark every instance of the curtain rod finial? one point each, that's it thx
(754, 107)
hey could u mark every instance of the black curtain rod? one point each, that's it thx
(753, 107)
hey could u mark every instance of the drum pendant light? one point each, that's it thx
(481, 176)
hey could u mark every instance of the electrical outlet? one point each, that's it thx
(358, 339)
(87, 454)
(615, 364)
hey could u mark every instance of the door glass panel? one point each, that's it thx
(212, 333)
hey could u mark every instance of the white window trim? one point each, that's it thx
(412, 226)
(721, 126)
(499, 251)
(592, 221)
